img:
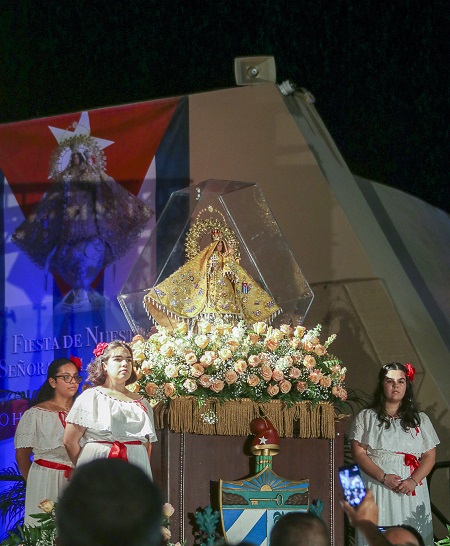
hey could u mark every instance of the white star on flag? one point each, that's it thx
(263, 440)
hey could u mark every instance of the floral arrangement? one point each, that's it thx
(260, 363)
(43, 534)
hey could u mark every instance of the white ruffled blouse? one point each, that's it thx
(113, 419)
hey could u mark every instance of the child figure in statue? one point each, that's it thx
(211, 284)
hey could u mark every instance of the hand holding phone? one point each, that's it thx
(352, 484)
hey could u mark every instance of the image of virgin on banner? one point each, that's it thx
(84, 223)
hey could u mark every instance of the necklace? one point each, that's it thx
(61, 408)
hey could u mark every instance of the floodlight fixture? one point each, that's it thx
(254, 70)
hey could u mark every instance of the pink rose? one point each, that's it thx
(294, 343)
(335, 369)
(266, 372)
(253, 361)
(315, 376)
(276, 334)
(151, 389)
(309, 361)
(320, 350)
(205, 381)
(277, 375)
(240, 366)
(294, 373)
(299, 331)
(325, 382)
(254, 338)
(264, 358)
(230, 377)
(272, 344)
(253, 380)
(315, 341)
(169, 389)
(197, 370)
(285, 386)
(301, 386)
(308, 346)
(217, 385)
(273, 390)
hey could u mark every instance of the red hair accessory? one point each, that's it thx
(77, 361)
(410, 371)
(100, 349)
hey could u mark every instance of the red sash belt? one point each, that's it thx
(119, 449)
(55, 466)
(412, 462)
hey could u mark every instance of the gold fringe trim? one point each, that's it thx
(233, 417)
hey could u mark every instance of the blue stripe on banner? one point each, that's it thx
(230, 517)
(172, 163)
(432, 306)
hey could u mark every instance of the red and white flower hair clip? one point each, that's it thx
(410, 371)
(100, 349)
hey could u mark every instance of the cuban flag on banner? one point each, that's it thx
(145, 154)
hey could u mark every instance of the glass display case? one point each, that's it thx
(216, 252)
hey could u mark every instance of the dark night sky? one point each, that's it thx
(379, 70)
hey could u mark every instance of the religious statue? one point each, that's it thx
(211, 284)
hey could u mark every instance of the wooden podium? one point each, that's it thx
(188, 467)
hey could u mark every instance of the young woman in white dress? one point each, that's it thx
(395, 446)
(108, 420)
(40, 434)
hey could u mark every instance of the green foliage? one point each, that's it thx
(43, 534)
(206, 533)
(444, 541)
(12, 498)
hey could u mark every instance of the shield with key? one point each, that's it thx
(250, 507)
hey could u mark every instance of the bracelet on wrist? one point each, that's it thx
(383, 478)
(414, 480)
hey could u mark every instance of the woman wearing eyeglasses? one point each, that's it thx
(108, 420)
(40, 433)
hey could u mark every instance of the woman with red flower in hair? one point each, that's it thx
(395, 446)
(40, 433)
(108, 420)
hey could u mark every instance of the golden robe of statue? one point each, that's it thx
(212, 284)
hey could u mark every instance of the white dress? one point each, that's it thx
(43, 431)
(383, 447)
(114, 428)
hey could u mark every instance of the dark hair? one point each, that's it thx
(414, 532)
(109, 502)
(408, 411)
(298, 529)
(46, 392)
(97, 374)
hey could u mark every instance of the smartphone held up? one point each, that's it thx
(352, 484)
